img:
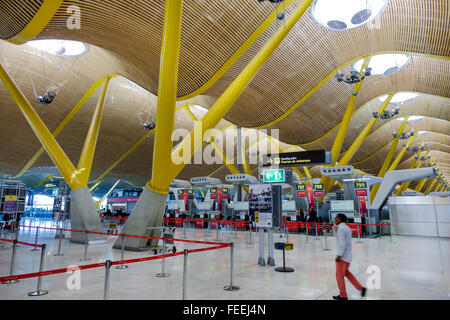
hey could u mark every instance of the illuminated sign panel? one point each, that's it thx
(302, 158)
(318, 187)
(360, 185)
(318, 194)
(361, 193)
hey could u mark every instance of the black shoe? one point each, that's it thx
(339, 298)
(363, 292)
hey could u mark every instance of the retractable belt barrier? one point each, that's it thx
(21, 242)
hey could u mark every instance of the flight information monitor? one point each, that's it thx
(360, 185)
(301, 190)
(361, 193)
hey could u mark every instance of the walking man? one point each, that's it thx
(343, 236)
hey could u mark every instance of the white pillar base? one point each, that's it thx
(148, 212)
(85, 217)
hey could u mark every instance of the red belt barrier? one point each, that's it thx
(24, 243)
(102, 264)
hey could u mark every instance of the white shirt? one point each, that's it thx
(343, 236)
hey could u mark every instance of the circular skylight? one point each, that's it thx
(65, 48)
(401, 97)
(411, 119)
(385, 64)
(345, 14)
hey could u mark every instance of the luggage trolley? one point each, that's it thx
(166, 246)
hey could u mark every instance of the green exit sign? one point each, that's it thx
(275, 175)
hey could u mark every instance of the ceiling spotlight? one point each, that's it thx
(404, 135)
(354, 76)
(386, 114)
(149, 125)
(46, 98)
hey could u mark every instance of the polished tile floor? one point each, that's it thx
(409, 268)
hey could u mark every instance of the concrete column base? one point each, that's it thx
(148, 212)
(85, 217)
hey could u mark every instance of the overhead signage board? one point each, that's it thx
(318, 187)
(274, 175)
(261, 205)
(301, 190)
(319, 194)
(301, 158)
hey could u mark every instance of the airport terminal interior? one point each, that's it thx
(224, 150)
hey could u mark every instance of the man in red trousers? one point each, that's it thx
(343, 236)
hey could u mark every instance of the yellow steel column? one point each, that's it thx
(405, 185)
(428, 189)
(359, 140)
(66, 120)
(49, 142)
(95, 185)
(399, 157)
(421, 184)
(167, 93)
(308, 174)
(339, 140)
(99, 201)
(49, 177)
(437, 187)
(235, 89)
(87, 154)
(388, 158)
(233, 169)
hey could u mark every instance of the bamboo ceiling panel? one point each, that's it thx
(15, 15)
(324, 109)
(309, 53)
(212, 31)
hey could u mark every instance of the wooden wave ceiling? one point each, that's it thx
(125, 38)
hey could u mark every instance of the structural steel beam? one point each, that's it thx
(428, 189)
(99, 201)
(232, 93)
(49, 177)
(388, 158)
(339, 140)
(399, 157)
(167, 93)
(359, 140)
(87, 154)
(66, 120)
(48, 141)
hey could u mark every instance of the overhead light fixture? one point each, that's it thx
(354, 76)
(46, 98)
(400, 97)
(423, 133)
(149, 125)
(386, 114)
(404, 135)
(65, 48)
(385, 64)
(346, 14)
(280, 15)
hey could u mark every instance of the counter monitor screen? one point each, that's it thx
(361, 193)
(360, 185)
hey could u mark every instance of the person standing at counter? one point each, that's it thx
(343, 259)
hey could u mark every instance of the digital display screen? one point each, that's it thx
(318, 194)
(289, 159)
(213, 190)
(301, 194)
(180, 191)
(360, 185)
(224, 190)
(190, 191)
(361, 193)
(301, 187)
(318, 187)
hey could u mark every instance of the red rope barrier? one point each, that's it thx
(21, 242)
(102, 264)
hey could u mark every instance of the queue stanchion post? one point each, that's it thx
(11, 268)
(39, 291)
(163, 273)
(86, 244)
(108, 265)
(261, 261)
(359, 236)
(286, 232)
(59, 243)
(251, 235)
(217, 230)
(185, 266)
(306, 231)
(325, 232)
(184, 228)
(235, 229)
(36, 239)
(317, 232)
(231, 287)
(122, 266)
(270, 258)
(390, 232)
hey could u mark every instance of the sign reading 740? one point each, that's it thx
(275, 175)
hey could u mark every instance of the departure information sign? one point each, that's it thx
(360, 185)
(318, 187)
(361, 193)
(213, 190)
(301, 158)
(318, 190)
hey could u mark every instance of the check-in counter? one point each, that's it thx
(420, 216)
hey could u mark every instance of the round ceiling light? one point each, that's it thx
(65, 48)
(346, 14)
(385, 64)
(401, 97)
